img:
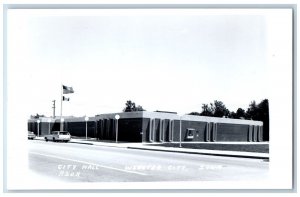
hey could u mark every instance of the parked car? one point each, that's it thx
(31, 135)
(63, 136)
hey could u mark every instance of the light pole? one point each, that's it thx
(62, 124)
(86, 119)
(38, 127)
(117, 117)
(49, 121)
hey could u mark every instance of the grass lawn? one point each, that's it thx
(259, 148)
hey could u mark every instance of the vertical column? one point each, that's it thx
(214, 132)
(114, 130)
(250, 139)
(262, 133)
(163, 130)
(160, 130)
(154, 130)
(171, 129)
(150, 130)
(207, 134)
(98, 129)
(254, 133)
(260, 136)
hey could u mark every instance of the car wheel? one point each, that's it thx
(54, 140)
(46, 139)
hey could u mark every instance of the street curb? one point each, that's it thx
(87, 143)
(39, 139)
(199, 153)
(91, 143)
(110, 146)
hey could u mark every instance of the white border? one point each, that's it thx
(273, 147)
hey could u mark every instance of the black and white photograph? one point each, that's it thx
(148, 98)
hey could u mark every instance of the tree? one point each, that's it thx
(240, 113)
(260, 112)
(216, 109)
(139, 108)
(219, 109)
(195, 113)
(37, 116)
(130, 106)
(232, 115)
(206, 110)
(263, 115)
(252, 111)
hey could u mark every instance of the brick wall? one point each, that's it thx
(157, 127)
(232, 132)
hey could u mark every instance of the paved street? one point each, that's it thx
(88, 163)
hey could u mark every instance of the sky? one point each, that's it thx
(161, 60)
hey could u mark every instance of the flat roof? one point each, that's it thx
(155, 115)
(162, 115)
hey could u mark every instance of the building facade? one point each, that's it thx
(161, 127)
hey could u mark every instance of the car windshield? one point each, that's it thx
(63, 133)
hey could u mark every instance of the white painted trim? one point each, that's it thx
(161, 115)
(160, 130)
(207, 139)
(254, 138)
(163, 129)
(171, 130)
(150, 130)
(259, 134)
(250, 131)
(214, 137)
(221, 120)
(154, 130)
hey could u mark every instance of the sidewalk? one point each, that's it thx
(147, 146)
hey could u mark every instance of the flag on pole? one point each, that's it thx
(66, 99)
(67, 90)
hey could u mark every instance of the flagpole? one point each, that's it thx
(61, 125)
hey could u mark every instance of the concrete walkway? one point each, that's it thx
(146, 146)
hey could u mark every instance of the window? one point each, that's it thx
(190, 133)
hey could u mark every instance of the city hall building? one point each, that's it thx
(149, 127)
